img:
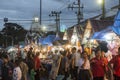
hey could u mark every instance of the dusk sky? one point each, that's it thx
(27, 9)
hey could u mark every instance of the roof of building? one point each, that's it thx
(99, 25)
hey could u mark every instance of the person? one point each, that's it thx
(17, 74)
(72, 64)
(64, 65)
(84, 67)
(7, 68)
(89, 51)
(30, 62)
(108, 55)
(32, 74)
(97, 66)
(55, 65)
(105, 62)
(23, 53)
(116, 65)
(24, 69)
(37, 66)
(1, 63)
(77, 58)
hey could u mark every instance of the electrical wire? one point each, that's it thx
(62, 8)
(65, 19)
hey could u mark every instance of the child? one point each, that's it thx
(32, 74)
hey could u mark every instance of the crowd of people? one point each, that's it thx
(81, 66)
(72, 63)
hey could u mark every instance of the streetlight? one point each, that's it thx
(36, 19)
(100, 1)
(119, 5)
(40, 12)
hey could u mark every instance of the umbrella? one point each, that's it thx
(12, 52)
(11, 49)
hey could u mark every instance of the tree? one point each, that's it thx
(14, 33)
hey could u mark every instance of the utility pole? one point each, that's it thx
(79, 12)
(40, 12)
(57, 16)
(103, 9)
(119, 5)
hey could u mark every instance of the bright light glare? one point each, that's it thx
(36, 19)
(36, 50)
(100, 1)
(92, 40)
(44, 28)
(61, 49)
(68, 46)
(74, 39)
(44, 50)
(108, 37)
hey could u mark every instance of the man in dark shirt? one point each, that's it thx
(7, 69)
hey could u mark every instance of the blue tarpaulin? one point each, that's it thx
(41, 40)
(115, 28)
(117, 20)
(48, 40)
(100, 34)
(116, 25)
(57, 38)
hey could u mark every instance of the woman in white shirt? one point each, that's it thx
(17, 74)
(84, 67)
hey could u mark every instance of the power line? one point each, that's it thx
(62, 22)
(30, 20)
(80, 9)
(17, 19)
(66, 20)
(42, 20)
(57, 19)
(64, 5)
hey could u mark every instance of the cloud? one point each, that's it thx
(27, 9)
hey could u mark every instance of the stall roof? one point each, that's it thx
(99, 25)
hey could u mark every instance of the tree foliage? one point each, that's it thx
(13, 32)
